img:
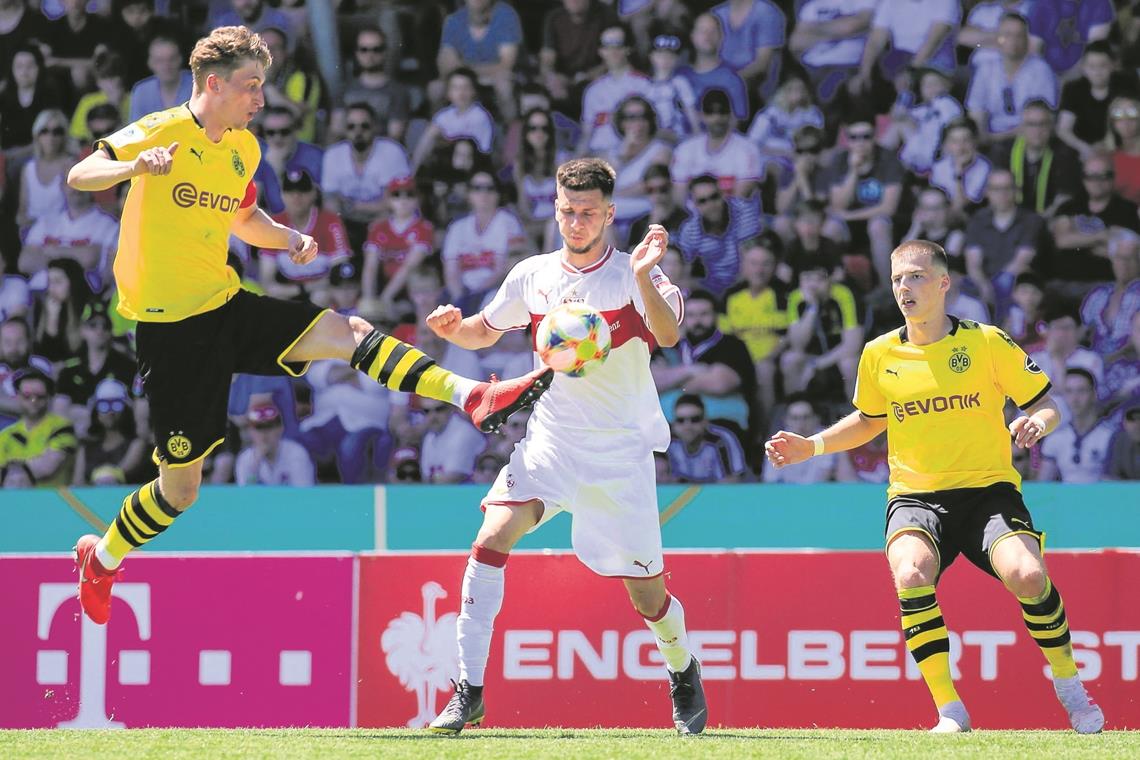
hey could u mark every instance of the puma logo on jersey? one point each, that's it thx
(891, 372)
(644, 565)
(197, 154)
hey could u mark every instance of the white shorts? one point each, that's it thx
(609, 491)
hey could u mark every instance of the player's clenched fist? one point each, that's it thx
(155, 160)
(302, 248)
(786, 448)
(445, 320)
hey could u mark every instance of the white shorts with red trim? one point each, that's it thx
(610, 492)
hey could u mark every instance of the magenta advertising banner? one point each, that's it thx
(193, 641)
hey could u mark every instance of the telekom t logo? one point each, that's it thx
(51, 665)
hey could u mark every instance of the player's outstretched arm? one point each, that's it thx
(472, 333)
(257, 228)
(852, 431)
(99, 171)
(1039, 420)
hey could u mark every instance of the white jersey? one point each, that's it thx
(736, 161)
(474, 123)
(600, 101)
(619, 397)
(479, 252)
(386, 162)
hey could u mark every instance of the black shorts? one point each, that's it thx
(186, 367)
(966, 521)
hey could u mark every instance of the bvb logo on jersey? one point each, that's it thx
(239, 166)
(959, 360)
(178, 446)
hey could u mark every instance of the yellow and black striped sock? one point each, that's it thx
(144, 514)
(402, 367)
(1045, 618)
(928, 641)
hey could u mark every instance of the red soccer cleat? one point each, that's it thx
(94, 582)
(491, 403)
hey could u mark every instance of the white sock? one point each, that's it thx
(106, 559)
(482, 598)
(462, 389)
(672, 640)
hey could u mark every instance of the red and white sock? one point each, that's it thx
(668, 627)
(483, 583)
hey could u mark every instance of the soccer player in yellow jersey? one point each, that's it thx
(191, 172)
(938, 387)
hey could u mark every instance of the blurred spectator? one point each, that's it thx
(270, 458)
(111, 452)
(756, 312)
(395, 245)
(701, 452)
(1122, 375)
(15, 297)
(1045, 170)
(134, 25)
(713, 235)
(670, 92)
(42, 178)
(919, 127)
(255, 390)
(464, 117)
(1062, 28)
(450, 445)
(15, 356)
(828, 39)
(963, 305)
(571, 35)
(866, 186)
(170, 84)
(1108, 309)
(1124, 457)
(603, 96)
(279, 274)
(450, 176)
(678, 271)
(1002, 241)
(640, 148)
(349, 422)
(1000, 89)
(44, 441)
(709, 363)
(663, 206)
(1083, 121)
(979, 35)
(80, 231)
(73, 40)
(772, 131)
(720, 151)
(1025, 322)
(21, 25)
(1077, 451)
(868, 463)
(809, 177)
(1082, 228)
(405, 466)
(17, 474)
(256, 15)
(1063, 351)
(27, 94)
(660, 466)
(920, 33)
(708, 71)
(933, 220)
(801, 417)
(485, 36)
(487, 468)
(110, 78)
(390, 100)
(282, 153)
(809, 240)
(753, 42)
(291, 86)
(344, 289)
(476, 248)
(98, 360)
(58, 310)
(824, 336)
(961, 172)
(1124, 140)
(652, 18)
(533, 171)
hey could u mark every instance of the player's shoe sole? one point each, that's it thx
(498, 400)
(465, 708)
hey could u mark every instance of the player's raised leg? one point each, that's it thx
(914, 565)
(665, 616)
(482, 596)
(402, 367)
(1017, 560)
(145, 514)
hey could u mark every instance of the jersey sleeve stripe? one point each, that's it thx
(107, 147)
(1038, 397)
(872, 416)
(490, 326)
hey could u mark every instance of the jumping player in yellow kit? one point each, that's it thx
(191, 171)
(938, 387)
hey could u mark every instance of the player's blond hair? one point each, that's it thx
(224, 51)
(923, 247)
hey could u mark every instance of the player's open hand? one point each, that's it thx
(650, 250)
(1026, 431)
(445, 320)
(157, 160)
(786, 448)
(302, 247)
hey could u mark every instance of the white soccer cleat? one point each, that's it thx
(952, 719)
(1084, 716)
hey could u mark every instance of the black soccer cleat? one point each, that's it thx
(690, 710)
(464, 708)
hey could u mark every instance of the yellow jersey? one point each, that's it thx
(175, 229)
(18, 442)
(944, 405)
(758, 320)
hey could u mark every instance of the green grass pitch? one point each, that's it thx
(563, 744)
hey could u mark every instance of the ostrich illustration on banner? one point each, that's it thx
(422, 653)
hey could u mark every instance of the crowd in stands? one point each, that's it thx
(787, 146)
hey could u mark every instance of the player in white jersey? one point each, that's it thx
(589, 445)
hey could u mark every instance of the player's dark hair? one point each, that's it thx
(690, 399)
(1099, 46)
(703, 295)
(1081, 372)
(585, 174)
(463, 71)
(360, 105)
(225, 50)
(917, 247)
(703, 179)
(962, 122)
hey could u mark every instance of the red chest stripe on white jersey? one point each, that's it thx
(626, 324)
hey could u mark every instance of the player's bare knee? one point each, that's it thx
(648, 596)
(1026, 579)
(179, 496)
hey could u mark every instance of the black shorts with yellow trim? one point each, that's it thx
(967, 521)
(186, 367)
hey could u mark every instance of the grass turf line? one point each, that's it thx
(566, 744)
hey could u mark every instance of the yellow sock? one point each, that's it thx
(402, 367)
(144, 514)
(1045, 618)
(928, 641)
